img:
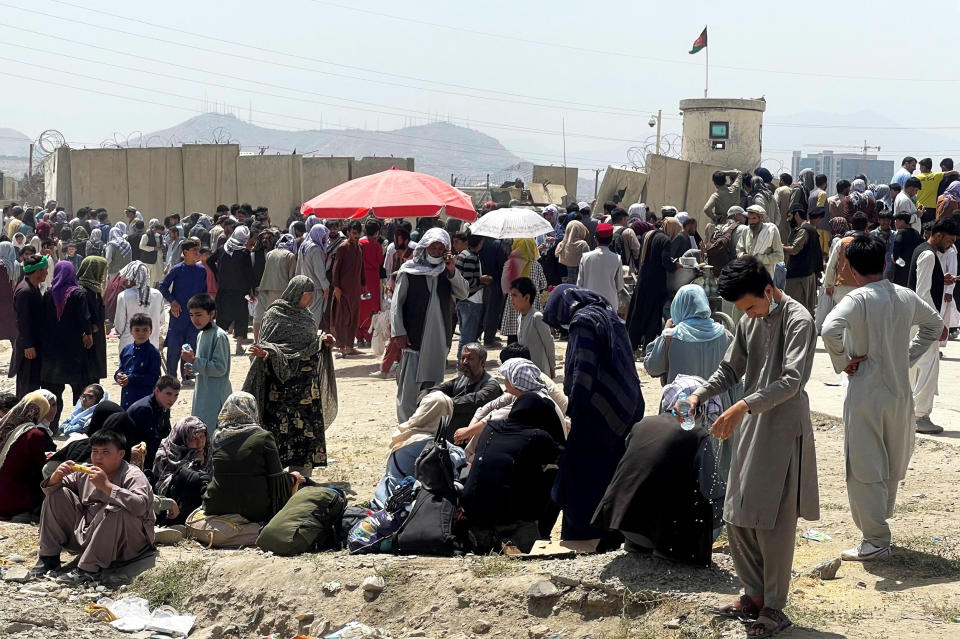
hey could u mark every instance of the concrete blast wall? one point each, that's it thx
(629, 183)
(196, 178)
(209, 177)
(155, 181)
(99, 179)
(272, 181)
(322, 174)
(557, 175)
(369, 166)
(685, 185)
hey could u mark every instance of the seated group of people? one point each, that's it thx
(96, 504)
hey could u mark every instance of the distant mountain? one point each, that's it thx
(14, 144)
(14, 151)
(440, 148)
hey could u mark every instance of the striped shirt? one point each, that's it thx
(468, 263)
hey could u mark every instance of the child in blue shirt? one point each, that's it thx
(210, 362)
(139, 363)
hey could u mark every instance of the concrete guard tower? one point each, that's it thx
(723, 132)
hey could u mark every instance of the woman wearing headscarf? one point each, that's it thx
(28, 224)
(138, 297)
(9, 278)
(201, 230)
(43, 230)
(645, 316)
(90, 277)
(604, 401)
(507, 493)
(151, 250)
(691, 342)
(411, 437)
(248, 477)
(80, 238)
(94, 244)
(667, 493)
(292, 378)
(66, 337)
(183, 466)
(24, 442)
(235, 281)
(312, 262)
(883, 194)
(523, 262)
(572, 247)
(520, 376)
(279, 268)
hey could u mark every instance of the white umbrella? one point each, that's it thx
(511, 223)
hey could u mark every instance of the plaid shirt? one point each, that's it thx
(468, 263)
(689, 384)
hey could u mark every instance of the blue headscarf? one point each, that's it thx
(690, 312)
(312, 221)
(287, 242)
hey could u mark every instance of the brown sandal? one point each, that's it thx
(744, 608)
(779, 621)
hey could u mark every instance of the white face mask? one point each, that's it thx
(434, 260)
(773, 305)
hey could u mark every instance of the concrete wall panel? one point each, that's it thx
(99, 179)
(155, 181)
(209, 176)
(557, 175)
(272, 181)
(322, 174)
(369, 166)
(56, 178)
(699, 188)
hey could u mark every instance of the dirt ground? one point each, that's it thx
(246, 593)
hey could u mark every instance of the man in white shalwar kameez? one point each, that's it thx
(420, 318)
(867, 335)
(927, 278)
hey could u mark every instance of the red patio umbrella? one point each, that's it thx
(392, 193)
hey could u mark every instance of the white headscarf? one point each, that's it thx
(8, 256)
(237, 240)
(418, 264)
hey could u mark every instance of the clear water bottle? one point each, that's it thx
(685, 406)
(188, 368)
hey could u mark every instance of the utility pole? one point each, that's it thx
(30, 165)
(596, 182)
(659, 119)
(863, 158)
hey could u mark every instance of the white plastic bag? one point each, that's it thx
(380, 330)
(824, 306)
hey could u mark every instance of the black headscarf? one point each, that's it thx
(533, 410)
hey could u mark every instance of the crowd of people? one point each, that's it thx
(550, 442)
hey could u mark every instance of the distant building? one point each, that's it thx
(843, 166)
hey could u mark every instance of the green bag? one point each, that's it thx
(308, 522)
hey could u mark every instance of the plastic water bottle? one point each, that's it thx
(686, 411)
(187, 366)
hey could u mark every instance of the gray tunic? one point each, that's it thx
(875, 320)
(774, 354)
(535, 335)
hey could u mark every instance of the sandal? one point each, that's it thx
(776, 622)
(744, 608)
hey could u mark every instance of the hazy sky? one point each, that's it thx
(514, 70)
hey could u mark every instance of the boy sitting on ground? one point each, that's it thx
(103, 512)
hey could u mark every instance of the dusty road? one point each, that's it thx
(917, 593)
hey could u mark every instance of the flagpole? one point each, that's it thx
(706, 79)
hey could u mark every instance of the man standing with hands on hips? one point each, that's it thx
(773, 472)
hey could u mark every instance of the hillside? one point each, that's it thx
(440, 148)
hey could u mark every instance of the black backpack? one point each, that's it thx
(620, 247)
(431, 527)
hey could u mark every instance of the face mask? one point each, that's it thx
(434, 260)
(773, 305)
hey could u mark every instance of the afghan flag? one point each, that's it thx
(699, 43)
